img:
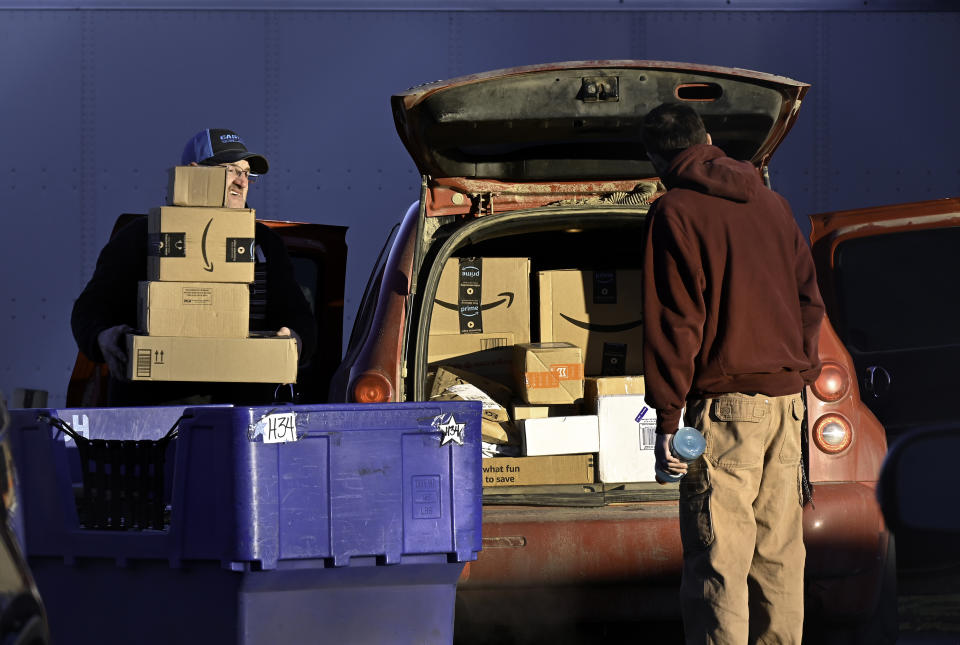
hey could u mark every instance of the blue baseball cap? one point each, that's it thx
(215, 146)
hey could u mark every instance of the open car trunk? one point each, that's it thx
(519, 254)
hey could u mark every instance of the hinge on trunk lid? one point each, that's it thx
(595, 89)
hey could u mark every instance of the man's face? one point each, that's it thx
(238, 182)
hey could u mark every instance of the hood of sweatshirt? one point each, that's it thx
(706, 169)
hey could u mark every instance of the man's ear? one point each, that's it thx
(709, 139)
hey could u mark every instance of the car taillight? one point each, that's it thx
(372, 387)
(832, 433)
(832, 384)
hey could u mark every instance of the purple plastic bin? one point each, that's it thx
(355, 532)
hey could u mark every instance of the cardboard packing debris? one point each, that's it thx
(548, 372)
(488, 355)
(627, 435)
(596, 386)
(200, 244)
(560, 435)
(600, 312)
(197, 309)
(204, 186)
(520, 411)
(230, 360)
(538, 471)
(451, 384)
(483, 296)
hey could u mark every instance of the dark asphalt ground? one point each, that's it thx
(929, 607)
(924, 619)
(928, 611)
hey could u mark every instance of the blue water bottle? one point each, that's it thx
(687, 445)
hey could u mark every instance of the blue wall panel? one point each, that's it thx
(41, 190)
(891, 133)
(778, 43)
(503, 39)
(97, 104)
(159, 78)
(336, 153)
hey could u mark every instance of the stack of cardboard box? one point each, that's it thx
(194, 308)
(568, 409)
(607, 435)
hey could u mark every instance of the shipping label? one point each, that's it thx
(554, 376)
(470, 279)
(240, 249)
(81, 425)
(275, 428)
(167, 245)
(197, 296)
(450, 430)
(647, 421)
(614, 361)
(604, 287)
(143, 365)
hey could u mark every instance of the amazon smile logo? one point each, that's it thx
(507, 298)
(207, 264)
(597, 327)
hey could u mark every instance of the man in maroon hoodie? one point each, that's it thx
(732, 316)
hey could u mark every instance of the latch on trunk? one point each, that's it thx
(594, 89)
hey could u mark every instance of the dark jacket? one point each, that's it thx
(110, 298)
(730, 293)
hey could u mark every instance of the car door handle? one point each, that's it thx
(876, 381)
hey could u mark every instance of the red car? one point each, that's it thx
(544, 162)
(886, 275)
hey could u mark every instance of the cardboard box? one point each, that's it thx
(548, 372)
(230, 360)
(596, 386)
(538, 471)
(451, 384)
(197, 309)
(599, 311)
(197, 186)
(488, 355)
(200, 244)
(560, 435)
(483, 296)
(627, 435)
(520, 411)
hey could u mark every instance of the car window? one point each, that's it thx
(371, 294)
(900, 290)
(305, 271)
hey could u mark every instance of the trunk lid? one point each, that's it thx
(580, 120)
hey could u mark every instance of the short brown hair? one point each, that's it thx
(671, 128)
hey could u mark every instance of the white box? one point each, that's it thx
(627, 428)
(560, 435)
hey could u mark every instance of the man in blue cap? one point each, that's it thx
(215, 147)
(106, 310)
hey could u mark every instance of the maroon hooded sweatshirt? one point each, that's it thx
(730, 293)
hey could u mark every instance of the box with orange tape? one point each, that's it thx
(547, 373)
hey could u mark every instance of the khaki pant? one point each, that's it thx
(741, 522)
